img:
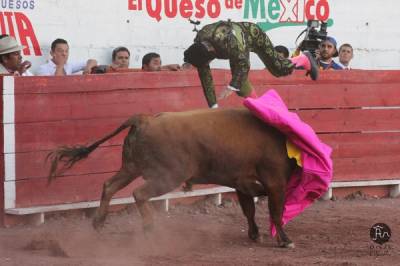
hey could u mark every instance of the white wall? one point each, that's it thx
(94, 28)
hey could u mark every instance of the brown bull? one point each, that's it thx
(228, 147)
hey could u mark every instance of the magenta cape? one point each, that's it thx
(312, 180)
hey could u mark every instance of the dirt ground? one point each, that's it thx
(327, 233)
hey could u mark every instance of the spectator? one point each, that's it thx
(59, 65)
(152, 62)
(11, 59)
(282, 51)
(120, 58)
(345, 55)
(120, 62)
(327, 51)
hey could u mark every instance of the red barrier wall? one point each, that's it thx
(1, 158)
(54, 111)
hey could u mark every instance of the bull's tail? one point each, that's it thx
(68, 156)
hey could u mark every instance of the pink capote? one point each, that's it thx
(312, 180)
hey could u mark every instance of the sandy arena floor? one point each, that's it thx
(327, 233)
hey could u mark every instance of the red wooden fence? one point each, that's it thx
(356, 112)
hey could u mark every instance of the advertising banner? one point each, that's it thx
(94, 28)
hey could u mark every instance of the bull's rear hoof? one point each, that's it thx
(98, 223)
(148, 228)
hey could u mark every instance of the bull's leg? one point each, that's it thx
(276, 200)
(110, 187)
(249, 210)
(152, 188)
(275, 184)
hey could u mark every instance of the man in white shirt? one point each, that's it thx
(11, 59)
(59, 65)
(345, 55)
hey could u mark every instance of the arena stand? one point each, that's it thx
(356, 112)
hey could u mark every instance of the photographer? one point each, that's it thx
(327, 51)
(319, 44)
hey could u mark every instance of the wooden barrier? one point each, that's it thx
(356, 112)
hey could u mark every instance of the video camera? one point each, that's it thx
(313, 37)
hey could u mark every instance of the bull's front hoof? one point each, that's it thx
(286, 244)
(254, 235)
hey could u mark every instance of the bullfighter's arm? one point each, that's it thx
(207, 84)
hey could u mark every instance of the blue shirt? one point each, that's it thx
(329, 66)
